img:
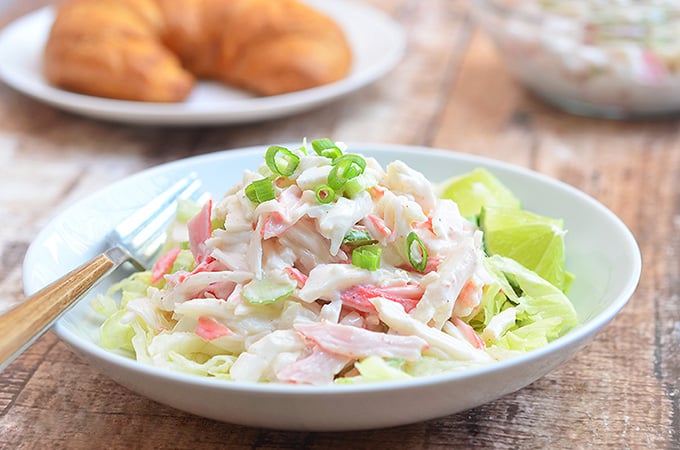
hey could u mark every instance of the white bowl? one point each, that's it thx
(601, 252)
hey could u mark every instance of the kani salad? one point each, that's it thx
(616, 57)
(323, 267)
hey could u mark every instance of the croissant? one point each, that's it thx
(155, 50)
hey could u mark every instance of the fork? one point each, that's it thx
(137, 240)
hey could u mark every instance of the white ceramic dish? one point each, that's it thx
(377, 43)
(602, 253)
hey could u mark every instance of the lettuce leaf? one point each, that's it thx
(542, 312)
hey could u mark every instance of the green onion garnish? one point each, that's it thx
(324, 194)
(354, 159)
(354, 187)
(281, 161)
(367, 257)
(356, 238)
(326, 147)
(345, 168)
(417, 253)
(266, 291)
(261, 191)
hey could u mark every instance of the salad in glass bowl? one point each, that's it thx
(609, 58)
(322, 267)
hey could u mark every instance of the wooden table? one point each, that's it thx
(451, 91)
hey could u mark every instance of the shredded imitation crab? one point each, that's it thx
(323, 267)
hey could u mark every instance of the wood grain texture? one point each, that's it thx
(450, 91)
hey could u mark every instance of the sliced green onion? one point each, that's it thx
(417, 253)
(326, 147)
(344, 169)
(354, 159)
(367, 257)
(324, 194)
(266, 291)
(303, 147)
(354, 187)
(261, 191)
(356, 238)
(281, 161)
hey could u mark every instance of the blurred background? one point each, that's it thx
(585, 92)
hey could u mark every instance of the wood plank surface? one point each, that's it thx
(451, 91)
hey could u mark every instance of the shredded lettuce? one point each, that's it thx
(374, 368)
(104, 305)
(186, 209)
(216, 366)
(493, 301)
(176, 233)
(134, 286)
(187, 352)
(429, 365)
(184, 261)
(117, 332)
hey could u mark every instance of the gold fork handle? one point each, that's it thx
(23, 324)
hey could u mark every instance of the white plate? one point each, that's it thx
(377, 43)
(601, 252)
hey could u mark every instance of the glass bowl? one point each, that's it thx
(605, 58)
